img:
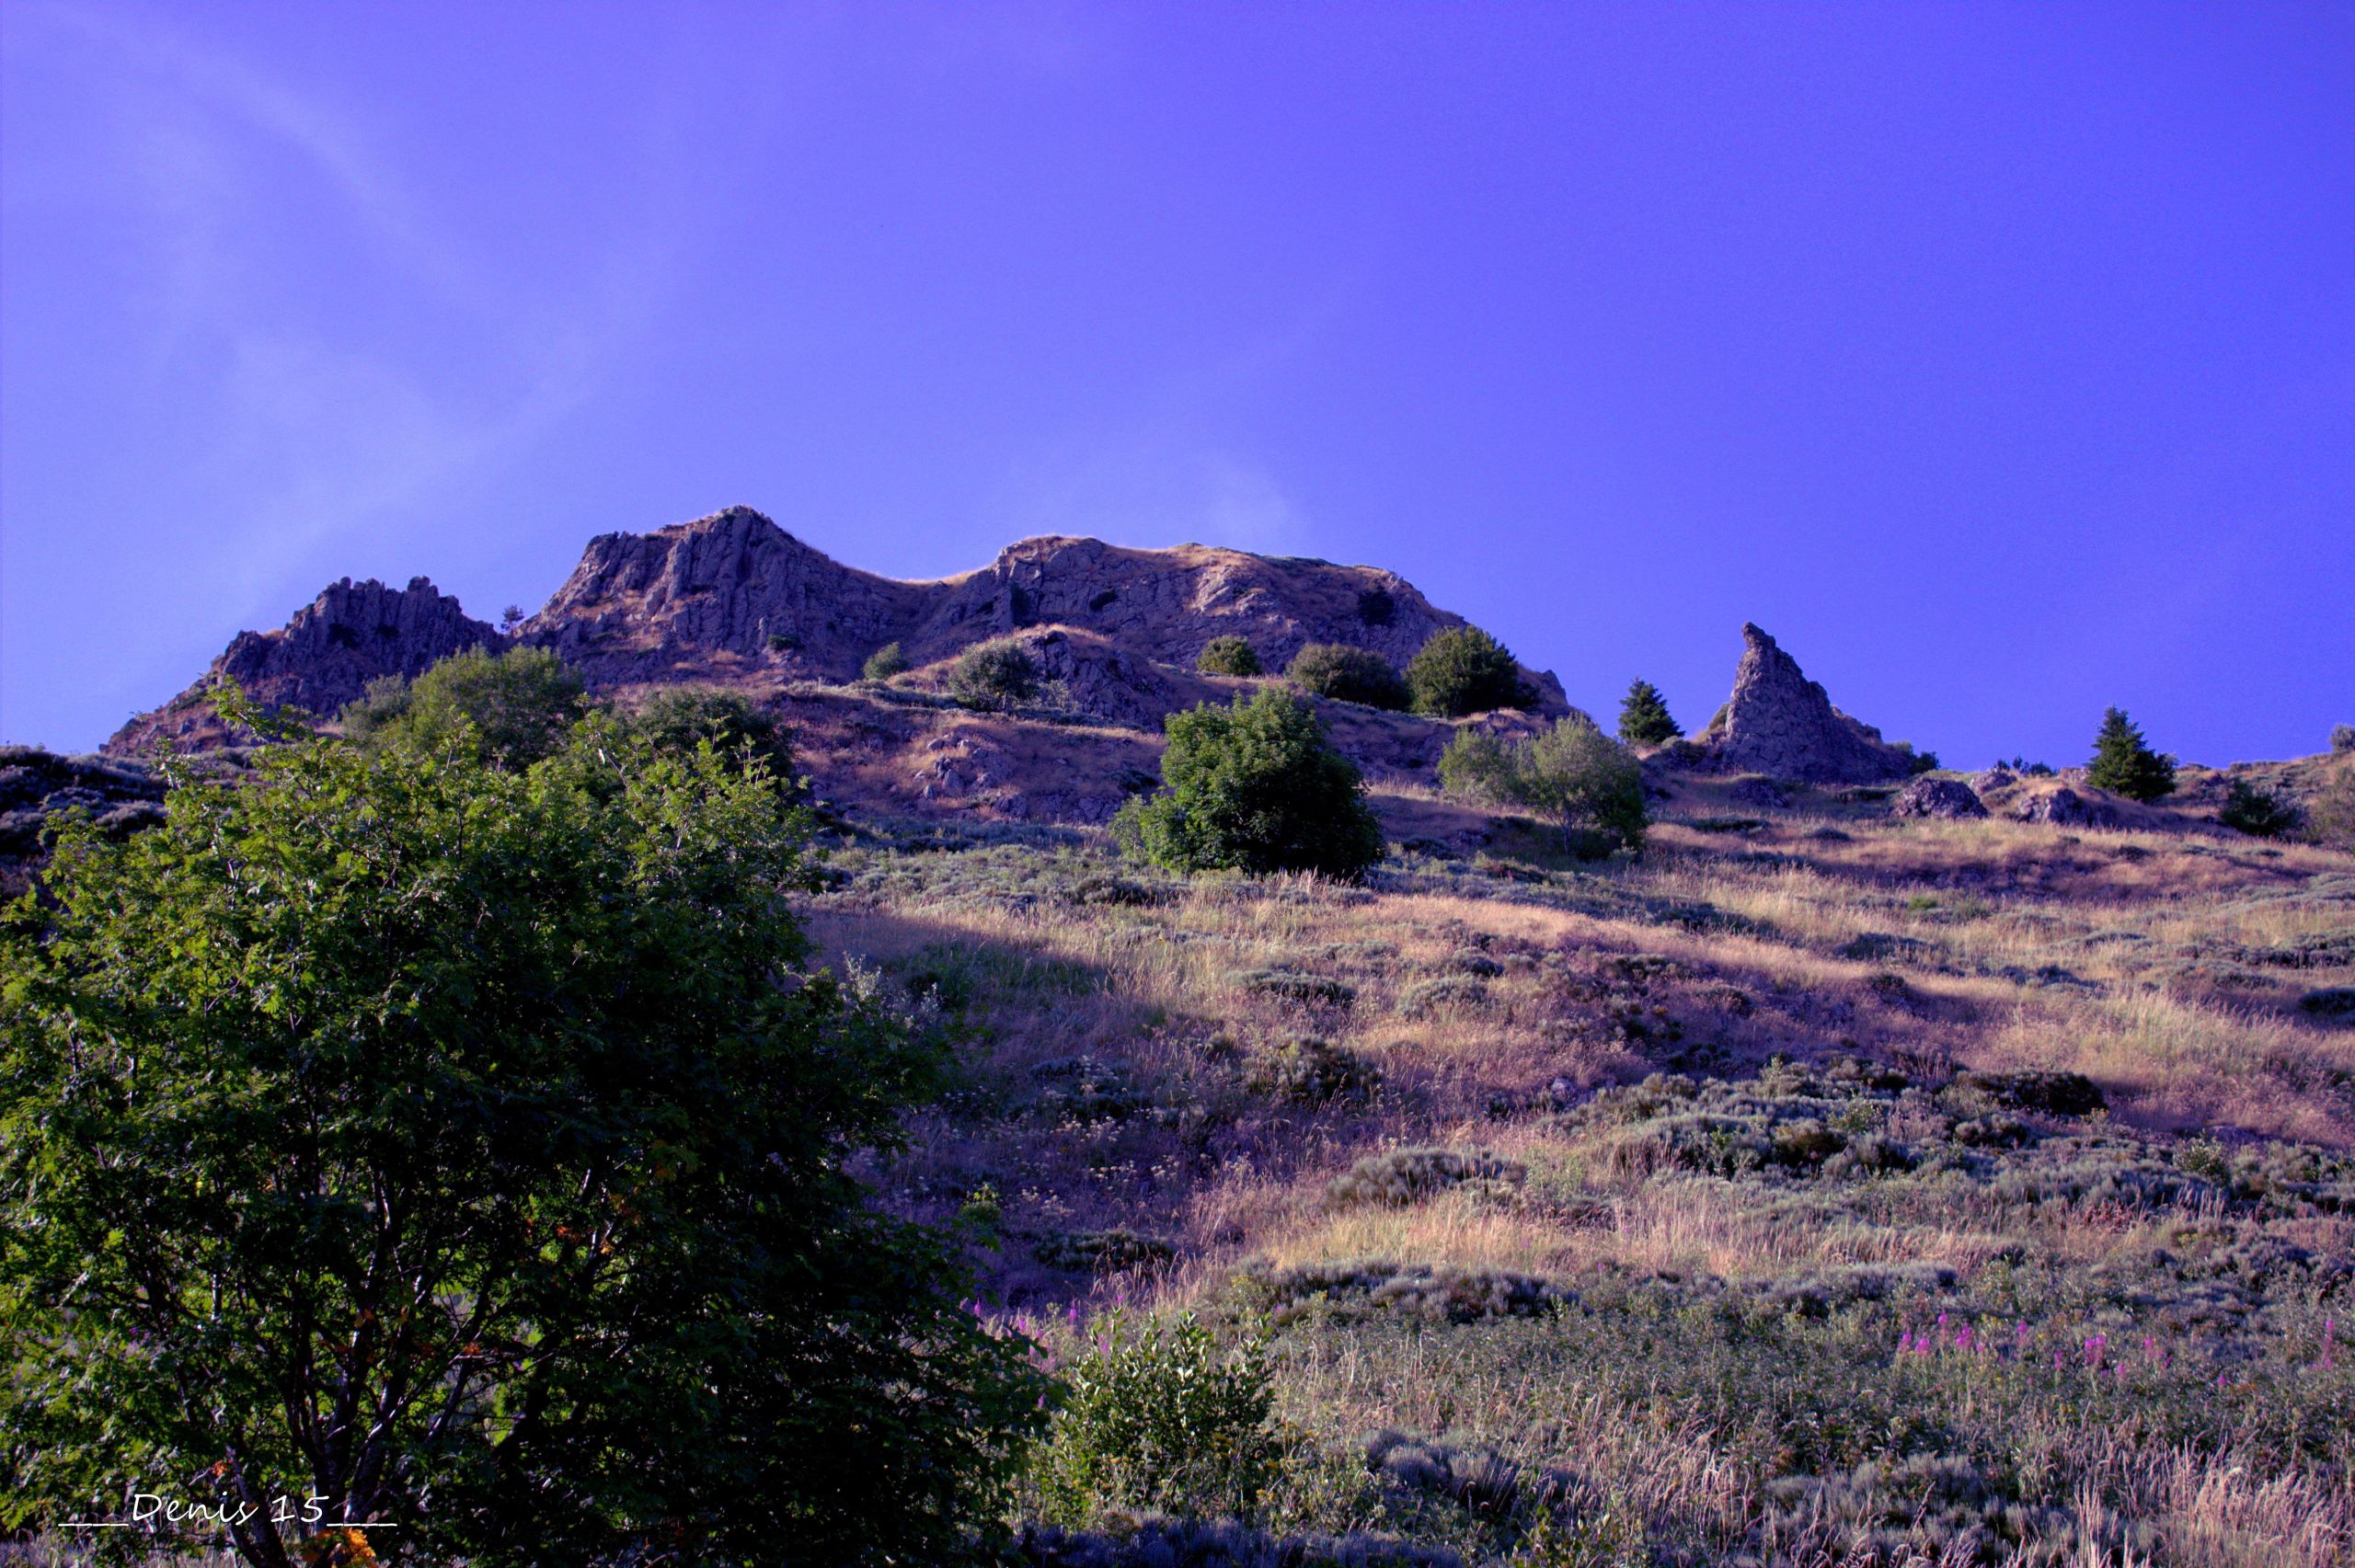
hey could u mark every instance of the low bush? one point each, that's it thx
(1347, 674)
(1465, 670)
(1101, 1252)
(1314, 1072)
(885, 662)
(1228, 656)
(1397, 1178)
(2256, 812)
(1159, 1414)
(995, 676)
(1257, 786)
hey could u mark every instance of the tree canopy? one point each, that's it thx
(466, 1146)
(1465, 670)
(516, 704)
(1258, 786)
(2124, 763)
(1644, 718)
(1570, 772)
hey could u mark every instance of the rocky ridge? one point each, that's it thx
(1781, 724)
(323, 658)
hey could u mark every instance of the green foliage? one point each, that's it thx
(2124, 764)
(1314, 1072)
(1158, 1414)
(679, 719)
(1258, 786)
(1918, 762)
(468, 1144)
(2256, 811)
(995, 676)
(1349, 674)
(1465, 670)
(516, 705)
(2342, 738)
(1570, 773)
(1643, 715)
(1228, 656)
(885, 662)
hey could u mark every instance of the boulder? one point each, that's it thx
(1947, 799)
(2066, 807)
(1782, 724)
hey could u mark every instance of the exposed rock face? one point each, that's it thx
(324, 657)
(1948, 799)
(733, 592)
(1782, 724)
(2066, 807)
(36, 784)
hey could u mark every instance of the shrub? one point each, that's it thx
(1397, 1178)
(1570, 773)
(2342, 738)
(1101, 1252)
(2256, 812)
(493, 1103)
(1643, 716)
(1314, 1072)
(995, 676)
(679, 719)
(1228, 656)
(1258, 788)
(1158, 1414)
(1292, 986)
(515, 706)
(1465, 670)
(885, 662)
(1349, 674)
(2123, 765)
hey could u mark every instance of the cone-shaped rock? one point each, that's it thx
(1780, 723)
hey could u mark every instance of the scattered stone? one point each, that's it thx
(1948, 800)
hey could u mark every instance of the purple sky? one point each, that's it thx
(1999, 359)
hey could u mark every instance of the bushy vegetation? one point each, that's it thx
(1570, 773)
(1228, 656)
(680, 718)
(884, 663)
(2257, 812)
(491, 1110)
(1349, 674)
(517, 705)
(2124, 763)
(1465, 670)
(1643, 716)
(995, 676)
(1258, 786)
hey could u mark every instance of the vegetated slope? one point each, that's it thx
(1823, 1184)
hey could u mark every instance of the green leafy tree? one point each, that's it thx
(1258, 786)
(679, 719)
(2124, 764)
(885, 662)
(468, 1147)
(1228, 656)
(1643, 716)
(516, 705)
(1465, 670)
(1570, 772)
(995, 676)
(1350, 674)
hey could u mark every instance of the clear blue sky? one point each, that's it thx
(2000, 360)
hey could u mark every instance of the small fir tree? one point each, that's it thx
(1643, 716)
(2124, 764)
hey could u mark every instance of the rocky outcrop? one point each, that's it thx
(35, 786)
(1782, 724)
(733, 593)
(2066, 807)
(322, 658)
(1948, 800)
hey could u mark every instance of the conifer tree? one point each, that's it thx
(2124, 763)
(1643, 716)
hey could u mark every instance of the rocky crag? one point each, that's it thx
(734, 598)
(1781, 724)
(322, 658)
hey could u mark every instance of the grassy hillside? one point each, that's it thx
(1821, 1187)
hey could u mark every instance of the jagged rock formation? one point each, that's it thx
(1782, 724)
(322, 658)
(1947, 799)
(733, 592)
